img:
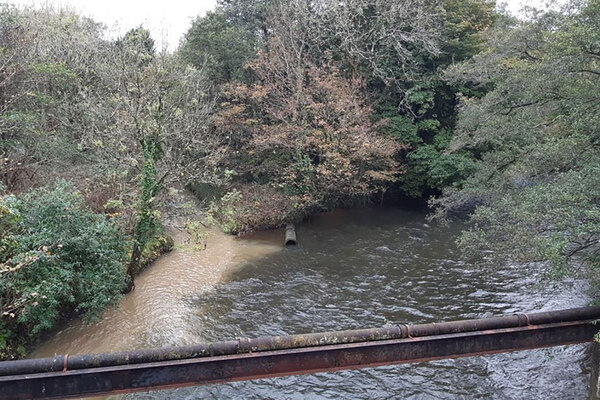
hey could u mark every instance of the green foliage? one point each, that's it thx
(220, 45)
(396, 48)
(120, 120)
(398, 126)
(196, 231)
(102, 113)
(147, 222)
(9, 220)
(139, 39)
(223, 212)
(62, 260)
(535, 190)
(422, 114)
(431, 168)
(464, 22)
(551, 221)
(160, 244)
(421, 97)
(250, 15)
(43, 74)
(55, 73)
(304, 174)
(426, 135)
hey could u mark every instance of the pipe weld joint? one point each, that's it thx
(523, 319)
(244, 345)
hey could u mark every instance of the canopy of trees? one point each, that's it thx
(340, 102)
(536, 134)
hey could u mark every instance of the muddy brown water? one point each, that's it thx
(352, 269)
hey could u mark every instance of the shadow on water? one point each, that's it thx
(368, 268)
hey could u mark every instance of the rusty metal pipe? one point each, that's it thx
(271, 343)
(268, 364)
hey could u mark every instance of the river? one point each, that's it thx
(353, 269)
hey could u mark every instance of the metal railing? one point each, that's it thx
(266, 357)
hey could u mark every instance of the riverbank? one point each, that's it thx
(154, 314)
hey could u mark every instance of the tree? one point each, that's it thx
(220, 46)
(302, 128)
(45, 66)
(252, 16)
(464, 23)
(380, 39)
(422, 110)
(390, 50)
(101, 114)
(535, 189)
(158, 112)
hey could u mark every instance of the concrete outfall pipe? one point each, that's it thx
(290, 235)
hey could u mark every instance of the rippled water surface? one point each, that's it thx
(357, 269)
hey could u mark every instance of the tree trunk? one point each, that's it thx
(133, 266)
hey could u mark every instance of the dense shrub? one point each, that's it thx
(252, 207)
(160, 244)
(58, 259)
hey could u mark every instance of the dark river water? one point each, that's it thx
(356, 269)
(352, 269)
